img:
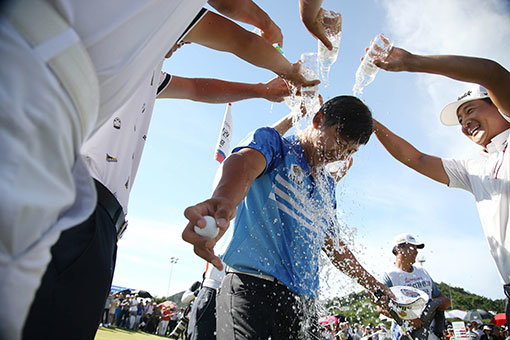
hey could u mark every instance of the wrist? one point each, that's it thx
(260, 90)
(413, 63)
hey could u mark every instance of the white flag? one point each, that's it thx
(223, 145)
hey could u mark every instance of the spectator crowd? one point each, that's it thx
(129, 311)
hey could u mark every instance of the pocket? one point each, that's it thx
(247, 285)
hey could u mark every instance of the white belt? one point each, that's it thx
(260, 276)
(57, 44)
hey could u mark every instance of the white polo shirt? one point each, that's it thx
(113, 153)
(126, 40)
(488, 180)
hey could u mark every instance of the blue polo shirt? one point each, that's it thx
(280, 226)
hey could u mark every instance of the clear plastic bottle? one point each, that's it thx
(327, 57)
(333, 29)
(381, 47)
(364, 75)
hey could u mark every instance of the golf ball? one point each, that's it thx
(211, 230)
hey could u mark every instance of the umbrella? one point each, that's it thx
(499, 319)
(126, 291)
(455, 314)
(143, 294)
(478, 315)
(328, 320)
(167, 303)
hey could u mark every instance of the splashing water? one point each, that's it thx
(328, 220)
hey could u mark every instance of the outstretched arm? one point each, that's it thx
(248, 12)
(221, 91)
(488, 73)
(238, 172)
(222, 34)
(343, 259)
(407, 154)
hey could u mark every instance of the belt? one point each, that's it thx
(259, 276)
(113, 208)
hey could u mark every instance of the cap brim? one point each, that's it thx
(448, 115)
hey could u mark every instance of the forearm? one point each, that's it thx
(243, 10)
(399, 148)
(284, 124)
(259, 52)
(238, 172)
(212, 90)
(407, 154)
(344, 260)
(219, 33)
(469, 69)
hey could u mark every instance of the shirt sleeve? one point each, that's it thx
(458, 172)
(268, 142)
(164, 80)
(386, 280)
(435, 291)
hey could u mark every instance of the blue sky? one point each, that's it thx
(379, 197)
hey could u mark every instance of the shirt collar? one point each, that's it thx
(499, 142)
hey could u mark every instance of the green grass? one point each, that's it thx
(122, 334)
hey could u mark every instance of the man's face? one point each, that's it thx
(408, 251)
(331, 147)
(480, 121)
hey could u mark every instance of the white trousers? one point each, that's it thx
(163, 324)
(45, 187)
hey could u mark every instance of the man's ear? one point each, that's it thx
(318, 120)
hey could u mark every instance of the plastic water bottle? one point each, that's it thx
(364, 75)
(327, 57)
(332, 22)
(367, 71)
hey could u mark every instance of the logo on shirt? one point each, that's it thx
(143, 108)
(116, 123)
(296, 174)
(127, 183)
(111, 158)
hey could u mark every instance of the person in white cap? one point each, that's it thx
(404, 273)
(483, 113)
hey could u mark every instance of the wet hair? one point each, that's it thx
(351, 115)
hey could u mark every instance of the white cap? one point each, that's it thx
(448, 115)
(407, 238)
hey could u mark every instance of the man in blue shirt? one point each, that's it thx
(285, 215)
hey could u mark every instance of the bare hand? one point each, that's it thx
(396, 61)
(272, 34)
(223, 211)
(317, 29)
(383, 299)
(296, 77)
(415, 323)
(276, 89)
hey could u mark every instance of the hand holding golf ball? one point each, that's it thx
(211, 230)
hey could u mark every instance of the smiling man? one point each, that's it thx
(285, 215)
(405, 273)
(483, 113)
